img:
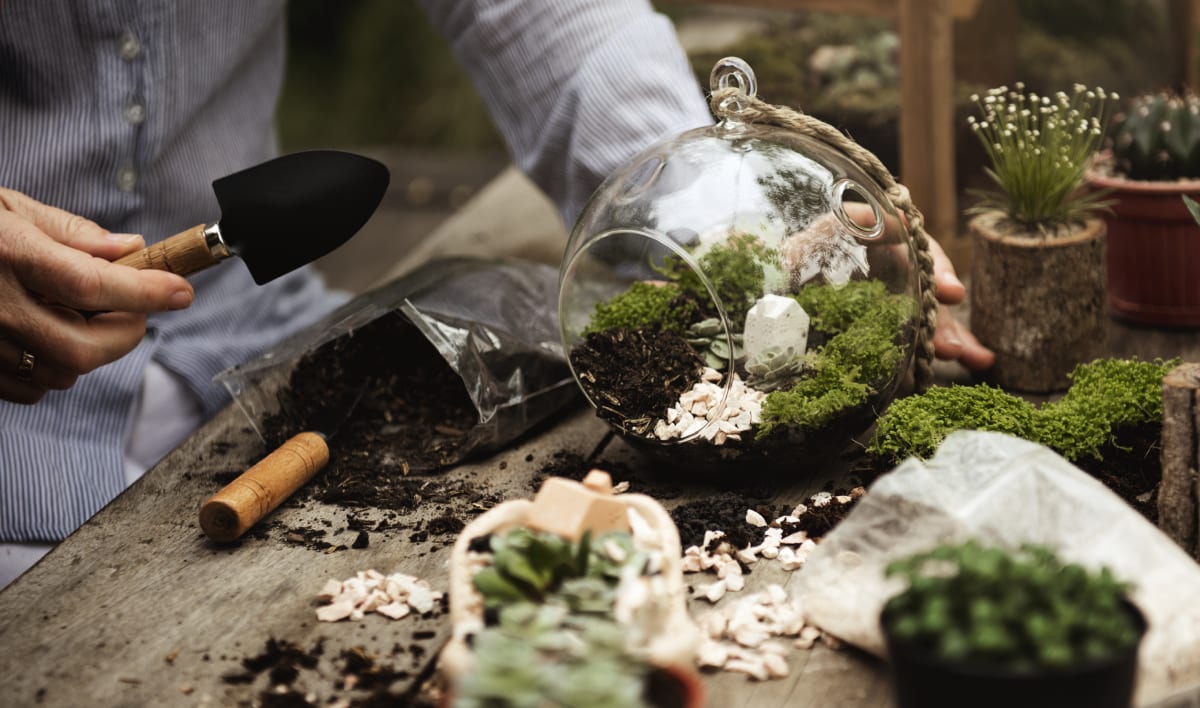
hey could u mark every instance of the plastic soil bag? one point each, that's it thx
(458, 357)
(1006, 491)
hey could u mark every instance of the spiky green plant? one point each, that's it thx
(1039, 148)
(1158, 137)
(1021, 610)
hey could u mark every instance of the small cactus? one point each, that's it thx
(1158, 137)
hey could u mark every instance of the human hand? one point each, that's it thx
(952, 340)
(54, 266)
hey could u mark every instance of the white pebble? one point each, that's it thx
(756, 669)
(754, 518)
(714, 591)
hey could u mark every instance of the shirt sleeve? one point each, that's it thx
(576, 87)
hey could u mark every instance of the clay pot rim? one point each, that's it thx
(983, 225)
(1141, 186)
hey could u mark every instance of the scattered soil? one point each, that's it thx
(574, 466)
(388, 400)
(281, 660)
(635, 375)
(727, 513)
(1140, 469)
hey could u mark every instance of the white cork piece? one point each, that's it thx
(775, 322)
(394, 596)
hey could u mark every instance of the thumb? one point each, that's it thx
(71, 229)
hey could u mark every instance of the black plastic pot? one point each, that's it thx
(924, 681)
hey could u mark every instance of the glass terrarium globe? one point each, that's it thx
(740, 289)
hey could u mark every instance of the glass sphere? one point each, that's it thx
(740, 290)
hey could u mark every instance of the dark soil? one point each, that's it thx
(635, 375)
(388, 400)
(574, 466)
(727, 513)
(1132, 468)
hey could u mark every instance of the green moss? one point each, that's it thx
(816, 399)
(917, 425)
(735, 269)
(645, 305)
(859, 357)
(1106, 396)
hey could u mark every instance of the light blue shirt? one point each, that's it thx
(125, 111)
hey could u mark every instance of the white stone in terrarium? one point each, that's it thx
(775, 322)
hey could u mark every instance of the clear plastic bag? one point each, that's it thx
(1006, 491)
(494, 323)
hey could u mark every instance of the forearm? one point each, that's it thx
(575, 86)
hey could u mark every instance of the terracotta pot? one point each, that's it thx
(1153, 251)
(1037, 301)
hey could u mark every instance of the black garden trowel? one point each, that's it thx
(277, 216)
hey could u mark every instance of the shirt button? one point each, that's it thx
(135, 112)
(127, 178)
(128, 46)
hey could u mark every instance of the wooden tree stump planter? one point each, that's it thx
(1177, 503)
(1037, 301)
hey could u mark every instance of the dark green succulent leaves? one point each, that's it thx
(1025, 609)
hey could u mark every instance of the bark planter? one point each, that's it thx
(923, 681)
(1153, 250)
(1037, 301)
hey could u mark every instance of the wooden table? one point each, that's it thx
(138, 608)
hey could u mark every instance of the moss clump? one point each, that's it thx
(816, 399)
(861, 355)
(735, 268)
(917, 425)
(645, 305)
(1106, 396)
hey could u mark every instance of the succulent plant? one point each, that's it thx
(774, 368)
(1158, 137)
(1022, 610)
(708, 338)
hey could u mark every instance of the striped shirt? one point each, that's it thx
(124, 111)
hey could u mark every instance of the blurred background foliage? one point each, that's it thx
(374, 72)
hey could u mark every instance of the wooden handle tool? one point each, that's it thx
(184, 253)
(229, 513)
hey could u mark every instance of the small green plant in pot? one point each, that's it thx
(984, 626)
(1037, 286)
(1152, 240)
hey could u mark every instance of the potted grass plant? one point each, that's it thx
(1037, 286)
(979, 626)
(1152, 241)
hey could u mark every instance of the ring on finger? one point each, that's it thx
(25, 367)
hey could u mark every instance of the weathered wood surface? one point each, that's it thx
(138, 608)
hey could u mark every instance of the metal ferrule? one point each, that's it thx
(215, 242)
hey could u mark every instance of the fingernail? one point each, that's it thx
(951, 279)
(179, 300)
(122, 238)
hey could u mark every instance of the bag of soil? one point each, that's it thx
(1004, 491)
(459, 357)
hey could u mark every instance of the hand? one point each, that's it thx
(53, 266)
(952, 340)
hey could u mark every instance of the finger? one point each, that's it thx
(46, 375)
(947, 338)
(974, 355)
(71, 229)
(15, 391)
(950, 289)
(70, 277)
(75, 345)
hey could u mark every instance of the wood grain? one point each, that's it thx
(184, 253)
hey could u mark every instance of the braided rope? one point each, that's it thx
(754, 110)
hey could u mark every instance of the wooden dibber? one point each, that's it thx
(184, 253)
(229, 513)
(1177, 495)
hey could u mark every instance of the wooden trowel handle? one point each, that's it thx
(183, 254)
(232, 511)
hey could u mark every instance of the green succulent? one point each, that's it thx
(774, 368)
(708, 338)
(1022, 610)
(1158, 137)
